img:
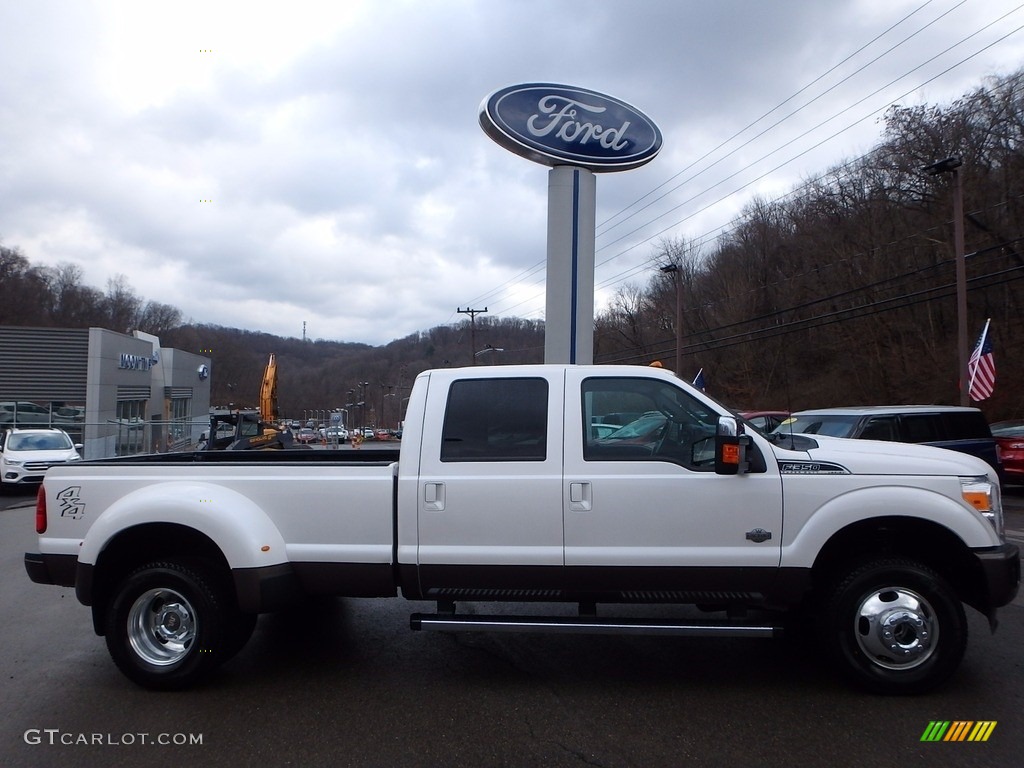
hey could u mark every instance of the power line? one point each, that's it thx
(843, 111)
(933, 293)
(802, 135)
(635, 270)
(780, 105)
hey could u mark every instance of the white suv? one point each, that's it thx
(26, 454)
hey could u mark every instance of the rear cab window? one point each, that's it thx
(496, 420)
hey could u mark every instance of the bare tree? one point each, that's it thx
(23, 291)
(156, 318)
(74, 304)
(123, 305)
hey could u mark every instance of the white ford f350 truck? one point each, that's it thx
(510, 488)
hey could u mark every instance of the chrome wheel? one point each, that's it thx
(169, 624)
(896, 627)
(161, 627)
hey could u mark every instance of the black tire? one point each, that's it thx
(169, 625)
(895, 627)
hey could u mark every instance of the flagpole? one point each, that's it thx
(981, 345)
(697, 377)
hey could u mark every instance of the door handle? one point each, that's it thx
(433, 497)
(580, 497)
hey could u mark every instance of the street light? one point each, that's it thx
(362, 396)
(951, 165)
(673, 269)
(488, 348)
(381, 420)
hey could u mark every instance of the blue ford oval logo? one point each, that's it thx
(563, 125)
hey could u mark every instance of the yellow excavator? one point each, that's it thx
(237, 430)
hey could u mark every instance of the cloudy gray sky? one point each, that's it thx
(263, 164)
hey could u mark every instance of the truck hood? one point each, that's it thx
(872, 457)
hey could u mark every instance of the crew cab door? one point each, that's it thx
(645, 511)
(490, 479)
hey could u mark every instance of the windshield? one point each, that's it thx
(39, 441)
(1008, 429)
(818, 424)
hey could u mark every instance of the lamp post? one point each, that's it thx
(673, 269)
(952, 165)
(488, 348)
(362, 398)
(381, 421)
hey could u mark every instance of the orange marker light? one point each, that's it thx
(978, 500)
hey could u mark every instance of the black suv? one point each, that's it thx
(945, 426)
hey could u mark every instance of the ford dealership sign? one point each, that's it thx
(563, 125)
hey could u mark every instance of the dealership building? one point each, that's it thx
(116, 394)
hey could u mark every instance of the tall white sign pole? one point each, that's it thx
(569, 316)
(576, 132)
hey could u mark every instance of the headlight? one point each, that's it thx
(12, 462)
(983, 496)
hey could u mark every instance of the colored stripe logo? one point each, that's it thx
(958, 730)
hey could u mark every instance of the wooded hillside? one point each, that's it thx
(843, 292)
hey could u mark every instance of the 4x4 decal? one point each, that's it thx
(70, 503)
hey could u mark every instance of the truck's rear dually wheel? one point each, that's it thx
(169, 625)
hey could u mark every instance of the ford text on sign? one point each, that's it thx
(563, 125)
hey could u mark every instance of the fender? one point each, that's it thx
(801, 547)
(240, 529)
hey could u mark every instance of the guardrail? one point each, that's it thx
(113, 437)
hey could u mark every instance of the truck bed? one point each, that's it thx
(371, 457)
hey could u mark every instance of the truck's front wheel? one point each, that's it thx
(169, 625)
(895, 626)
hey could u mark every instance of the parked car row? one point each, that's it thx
(337, 434)
(24, 413)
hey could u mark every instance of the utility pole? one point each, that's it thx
(951, 165)
(677, 279)
(472, 328)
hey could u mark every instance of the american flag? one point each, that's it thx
(698, 380)
(982, 367)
